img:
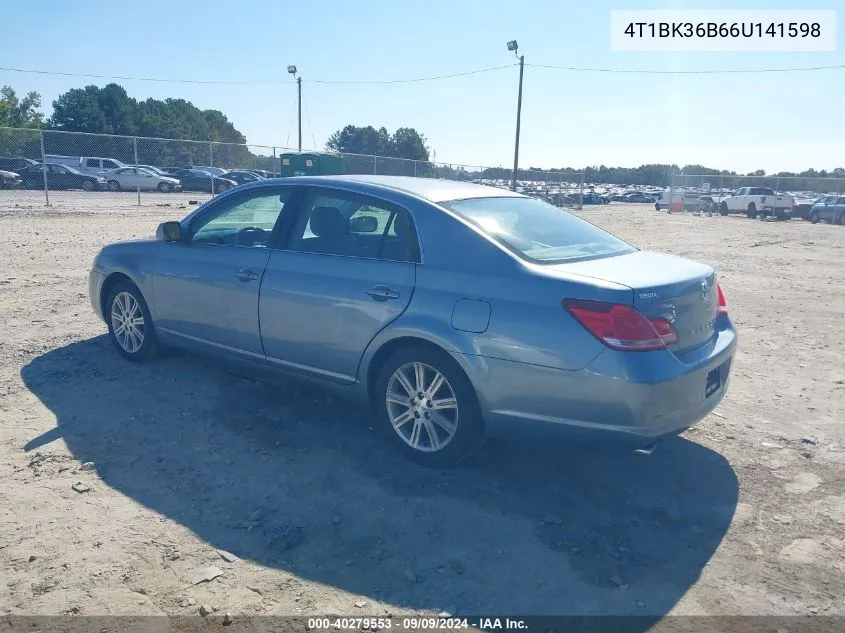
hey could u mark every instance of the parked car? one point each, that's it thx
(688, 200)
(169, 171)
(91, 165)
(637, 197)
(198, 180)
(242, 176)
(556, 323)
(134, 178)
(60, 177)
(9, 179)
(801, 208)
(17, 164)
(754, 201)
(217, 171)
(594, 198)
(265, 174)
(830, 209)
(151, 168)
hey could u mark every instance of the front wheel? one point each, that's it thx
(221, 188)
(814, 217)
(723, 209)
(752, 211)
(428, 406)
(114, 185)
(164, 187)
(130, 324)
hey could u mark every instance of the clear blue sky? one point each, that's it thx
(740, 122)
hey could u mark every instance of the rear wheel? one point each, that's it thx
(752, 211)
(814, 217)
(130, 324)
(87, 185)
(114, 185)
(30, 183)
(428, 406)
(221, 188)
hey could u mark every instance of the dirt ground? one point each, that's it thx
(744, 515)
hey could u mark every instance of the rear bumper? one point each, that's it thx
(620, 396)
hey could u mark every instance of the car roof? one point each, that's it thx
(432, 189)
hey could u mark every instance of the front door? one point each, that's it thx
(206, 286)
(345, 272)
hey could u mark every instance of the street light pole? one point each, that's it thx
(292, 71)
(512, 46)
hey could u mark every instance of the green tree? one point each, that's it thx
(403, 143)
(15, 112)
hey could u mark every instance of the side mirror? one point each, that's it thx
(169, 232)
(363, 224)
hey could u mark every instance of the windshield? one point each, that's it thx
(538, 231)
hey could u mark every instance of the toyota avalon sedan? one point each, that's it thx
(457, 310)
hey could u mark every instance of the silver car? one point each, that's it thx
(133, 178)
(457, 310)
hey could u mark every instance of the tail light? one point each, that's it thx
(723, 304)
(621, 327)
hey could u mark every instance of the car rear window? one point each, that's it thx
(538, 231)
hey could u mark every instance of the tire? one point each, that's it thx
(113, 185)
(221, 188)
(29, 183)
(656, 207)
(164, 187)
(842, 220)
(814, 217)
(126, 300)
(723, 209)
(87, 185)
(461, 430)
(752, 211)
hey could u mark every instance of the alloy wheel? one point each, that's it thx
(127, 322)
(422, 407)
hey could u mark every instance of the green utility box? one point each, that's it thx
(310, 164)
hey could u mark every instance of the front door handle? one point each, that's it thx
(382, 293)
(244, 274)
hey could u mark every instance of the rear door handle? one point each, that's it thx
(244, 274)
(382, 293)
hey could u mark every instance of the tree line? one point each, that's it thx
(111, 111)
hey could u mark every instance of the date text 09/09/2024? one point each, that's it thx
(415, 623)
(724, 30)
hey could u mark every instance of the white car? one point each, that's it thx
(134, 178)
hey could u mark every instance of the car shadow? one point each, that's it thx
(286, 477)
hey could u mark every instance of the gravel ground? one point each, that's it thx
(745, 514)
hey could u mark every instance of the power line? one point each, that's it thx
(217, 82)
(688, 72)
(254, 83)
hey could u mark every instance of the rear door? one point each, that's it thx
(345, 271)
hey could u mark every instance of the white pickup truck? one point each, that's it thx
(754, 201)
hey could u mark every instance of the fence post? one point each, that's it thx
(560, 191)
(44, 171)
(135, 149)
(273, 168)
(211, 164)
(415, 169)
(375, 165)
(581, 193)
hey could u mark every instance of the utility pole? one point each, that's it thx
(292, 71)
(512, 46)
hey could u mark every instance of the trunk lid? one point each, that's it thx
(680, 290)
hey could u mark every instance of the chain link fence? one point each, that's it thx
(72, 166)
(785, 196)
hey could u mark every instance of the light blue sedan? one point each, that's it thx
(457, 310)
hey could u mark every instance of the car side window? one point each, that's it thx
(92, 162)
(354, 226)
(245, 221)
